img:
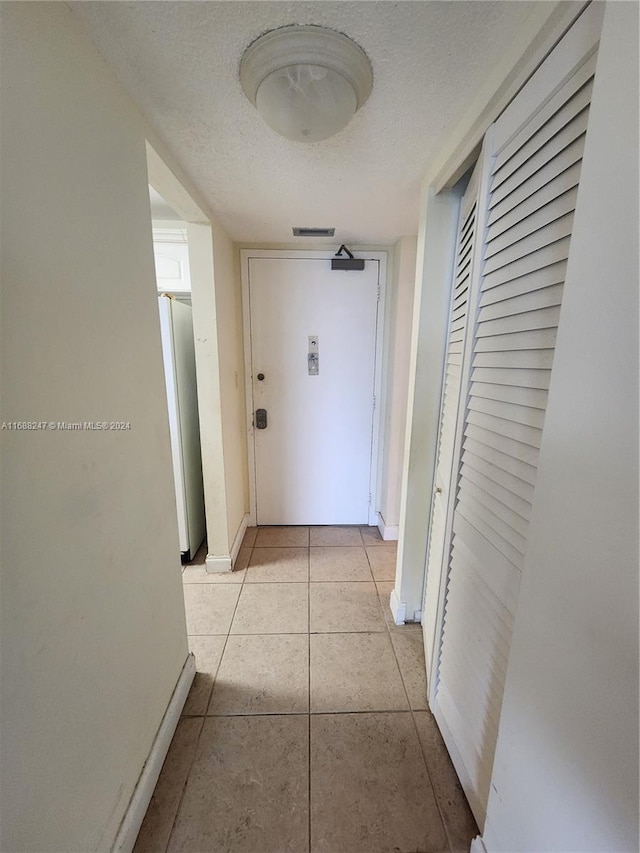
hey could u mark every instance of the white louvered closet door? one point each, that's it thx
(533, 165)
(452, 382)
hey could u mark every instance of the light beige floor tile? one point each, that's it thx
(345, 607)
(335, 536)
(208, 652)
(199, 574)
(263, 674)
(248, 789)
(339, 564)
(156, 827)
(209, 607)
(355, 672)
(409, 648)
(250, 537)
(282, 537)
(383, 560)
(458, 819)
(242, 560)
(370, 792)
(371, 536)
(281, 565)
(272, 608)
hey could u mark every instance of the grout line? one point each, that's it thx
(309, 688)
(186, 782)
(422, 750)
(230, 714)
(205, 716)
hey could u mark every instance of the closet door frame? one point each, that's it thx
(474, 285)
(434, 629)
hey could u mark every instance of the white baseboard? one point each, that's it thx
(398, 608)
(237, 542)
(477, 845)
(139, 803)
(389, 532)
(217, 564)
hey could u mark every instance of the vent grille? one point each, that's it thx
(314, 232)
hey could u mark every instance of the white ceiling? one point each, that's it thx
(179, 61)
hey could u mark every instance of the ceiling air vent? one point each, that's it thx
(314, 232)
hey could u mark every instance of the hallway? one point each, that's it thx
(306, 727)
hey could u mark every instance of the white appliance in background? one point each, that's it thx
(178, 353)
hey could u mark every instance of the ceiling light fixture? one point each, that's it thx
(307, 82)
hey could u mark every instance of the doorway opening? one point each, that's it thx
(171, 255)
(194, 230)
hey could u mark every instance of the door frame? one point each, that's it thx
(378, 403)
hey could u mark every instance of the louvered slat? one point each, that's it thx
(558, 186)
(500, 575)
(511, 482)
(564, 160)
(512, 376)
(533, 359)
(537, 339)
(582, 77)
(517, 504)
(542, 218)
(530, 242)
(574, 109)
(532, 397)
(539, 279)
(489, 527)
(557, 144)
(505, 445)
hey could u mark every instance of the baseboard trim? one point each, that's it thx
(237, 542)
(141, 797)
(477, 845)
(217, 564)
(389, 532)
(398, 608)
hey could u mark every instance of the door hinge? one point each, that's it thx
(370, 498)
(378, 293)
(374, 402)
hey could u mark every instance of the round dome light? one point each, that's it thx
(306, 82)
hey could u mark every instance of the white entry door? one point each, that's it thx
(313, 367)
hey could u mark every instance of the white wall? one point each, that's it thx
(566, 767)
(205, 331)
(231, 350)
(93, 632)
(220, 363)
(434, 268)
(398, 350)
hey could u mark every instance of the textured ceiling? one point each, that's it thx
(179, 61)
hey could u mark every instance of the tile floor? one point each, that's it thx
(307, 727)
